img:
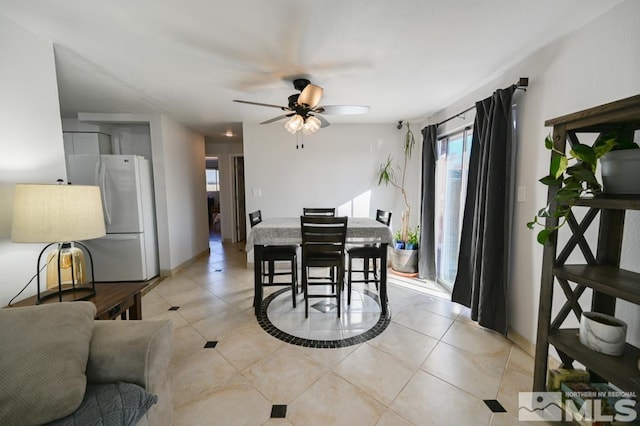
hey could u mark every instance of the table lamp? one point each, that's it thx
(60, 215)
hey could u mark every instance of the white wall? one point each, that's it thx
(182, 204)
(225, 153)
(30, 141)
(336, 168)
(598, 63)
(132, 139)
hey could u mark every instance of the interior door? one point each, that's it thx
(238, 194)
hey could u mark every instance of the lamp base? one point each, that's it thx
(65, 267)
(69, 271)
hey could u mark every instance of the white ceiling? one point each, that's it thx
(189, 59)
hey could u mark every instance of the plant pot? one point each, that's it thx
(404, 260)
(603, 333)
(399, 245)
(409, 246)
(621, 172)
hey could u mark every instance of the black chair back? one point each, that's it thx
(315, 211)
(323, 240)
(323, 236)
(383, 217)
(270, 255)
(255, 218)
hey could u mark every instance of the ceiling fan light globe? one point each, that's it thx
(312, 124)
(294, 124)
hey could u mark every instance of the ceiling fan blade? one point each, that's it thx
(343, 109)
(280, 117)
(323, 121)
(310, 95)
(261, 104)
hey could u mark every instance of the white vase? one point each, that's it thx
(603, 333)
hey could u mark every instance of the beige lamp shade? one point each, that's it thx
(56, 213)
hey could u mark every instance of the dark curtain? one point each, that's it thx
(427, 253)
(483, 262)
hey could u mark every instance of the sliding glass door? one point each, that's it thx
(451, 187)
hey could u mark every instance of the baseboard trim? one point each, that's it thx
(529, 347)
(166, 273)
(522, 342)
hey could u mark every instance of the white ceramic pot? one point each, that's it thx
(603, 333)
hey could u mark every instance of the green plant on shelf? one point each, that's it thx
(575, 176)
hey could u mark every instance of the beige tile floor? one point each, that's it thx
(431, 366)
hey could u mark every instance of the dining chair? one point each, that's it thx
(369, 253)
(324, 212)
(323, 246)
(319, 211)
(273, 254)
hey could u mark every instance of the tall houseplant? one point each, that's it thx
(404, 255)
(387, 175)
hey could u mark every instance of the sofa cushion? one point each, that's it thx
(43, 357)
(110, 404)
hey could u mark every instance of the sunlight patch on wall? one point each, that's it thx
(357, 207)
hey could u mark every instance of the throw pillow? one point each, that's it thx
(110, 404)
(43, 358)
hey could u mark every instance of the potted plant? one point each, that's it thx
(404, 254)
(401, 260)
(398, 243)
(412, 239)
(575, 175)
(621, 167)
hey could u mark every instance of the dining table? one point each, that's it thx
(286, 231)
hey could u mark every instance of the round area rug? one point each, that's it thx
(359, 322)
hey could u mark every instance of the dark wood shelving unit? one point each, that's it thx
(609, 280)
(601, 273)
(622, 370)
(618, 203)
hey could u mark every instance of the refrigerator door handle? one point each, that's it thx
(103, 183)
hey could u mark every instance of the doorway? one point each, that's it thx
(212, 171)
(452, 168)
(240, 222)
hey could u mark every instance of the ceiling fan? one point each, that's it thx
(304, 111)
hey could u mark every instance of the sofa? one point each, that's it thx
(59, 366)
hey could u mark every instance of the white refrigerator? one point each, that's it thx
(129, 251)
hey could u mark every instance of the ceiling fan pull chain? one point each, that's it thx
(299, 145)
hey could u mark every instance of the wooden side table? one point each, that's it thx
(111, 300)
